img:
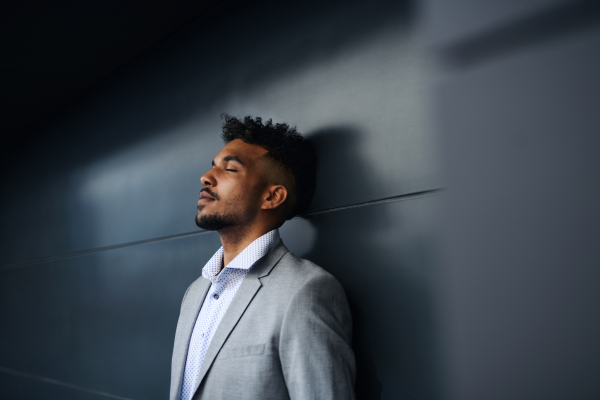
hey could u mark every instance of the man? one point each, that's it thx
(261, 323)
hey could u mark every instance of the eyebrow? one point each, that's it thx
(229, 158)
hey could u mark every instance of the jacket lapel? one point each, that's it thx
(240, 302)
(189, 312)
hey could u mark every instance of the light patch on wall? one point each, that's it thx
(299, 236)
(143, 188)
(379, 85)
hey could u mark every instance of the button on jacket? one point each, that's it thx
(285, 335)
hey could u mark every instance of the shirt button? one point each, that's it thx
(216, 296)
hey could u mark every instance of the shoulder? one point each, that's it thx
(303, 283)
(302, 273)
(313, 298)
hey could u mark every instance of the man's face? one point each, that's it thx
(232, 187)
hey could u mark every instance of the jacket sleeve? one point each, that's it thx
(315, 342)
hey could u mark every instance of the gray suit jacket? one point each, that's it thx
(285, 335)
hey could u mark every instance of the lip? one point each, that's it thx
(205, 198)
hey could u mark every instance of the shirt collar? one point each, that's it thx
(246, 259)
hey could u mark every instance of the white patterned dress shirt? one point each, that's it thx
(224, 286)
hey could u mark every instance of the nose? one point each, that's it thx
(208, 179)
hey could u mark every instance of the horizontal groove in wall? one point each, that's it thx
(74, 254)
(60, 383)
(374, 202)
(526, 32)
(43, 260)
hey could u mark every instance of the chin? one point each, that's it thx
(216, 221)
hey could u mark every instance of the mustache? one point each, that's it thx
(210, 193)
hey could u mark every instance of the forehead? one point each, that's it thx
(244, 151)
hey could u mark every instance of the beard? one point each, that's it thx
(216, 222)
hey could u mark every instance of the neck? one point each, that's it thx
(235, 239)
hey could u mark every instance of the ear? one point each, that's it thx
(275, 196)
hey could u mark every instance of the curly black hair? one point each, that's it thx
(285, 146)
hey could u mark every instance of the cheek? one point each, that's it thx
(235, 196)
(244, 197)
(241, 192)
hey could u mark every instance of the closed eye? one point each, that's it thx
(229, 169)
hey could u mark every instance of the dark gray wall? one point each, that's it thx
(98, 237)
(493, 298)
(517, 111)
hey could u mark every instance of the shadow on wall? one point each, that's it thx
(380, 262)
(341, 144)
(339, 158)
(280, 38)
